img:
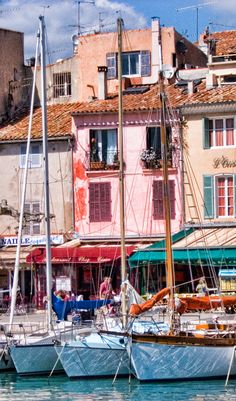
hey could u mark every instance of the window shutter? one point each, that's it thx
(206, 134)
(145, 63)
(100, 202)
(36, 210)
(158, 200)
(111, 66)
(172, 198)
(208, 196)
(35, 156)
(22, 155)
(158, 206)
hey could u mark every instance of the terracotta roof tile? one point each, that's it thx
(58, 120)
(132, 102)
(225, 42)
(223, 94)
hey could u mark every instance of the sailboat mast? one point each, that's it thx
(23, 196)
(121, 171)
(166, 198)
(46, 174)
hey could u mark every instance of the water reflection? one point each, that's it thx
(58, 388)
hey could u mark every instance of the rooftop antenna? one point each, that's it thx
(79, 2)
(196, 7)
(100, 21)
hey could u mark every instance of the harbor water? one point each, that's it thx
(56, 388)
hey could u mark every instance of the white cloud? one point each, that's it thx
(61, 19)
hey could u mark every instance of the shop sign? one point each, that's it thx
(224, 162)
(31, 240)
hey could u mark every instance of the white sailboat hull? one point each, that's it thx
(6, 362)
(35, 359)
(94, 356)
(155, 361)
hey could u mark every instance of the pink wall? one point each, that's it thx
(138, 181)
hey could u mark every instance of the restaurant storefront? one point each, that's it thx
(83, 267)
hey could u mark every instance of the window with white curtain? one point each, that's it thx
(103, 146)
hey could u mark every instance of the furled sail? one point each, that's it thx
(137, 309)
(204, 303)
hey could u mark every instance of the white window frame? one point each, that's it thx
(216, 196)
(35, 159)
(214, 146)
(138, 74)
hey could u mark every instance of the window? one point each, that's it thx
(99, 202)
(103, 146)
(219, 196)
(158, 201)
(133, 63)
(154, 140)
(224, 197)
(34, 156)
(61, 84)
(219, 132)
(32, 226)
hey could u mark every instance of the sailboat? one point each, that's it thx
(37, 355)
(181, 354)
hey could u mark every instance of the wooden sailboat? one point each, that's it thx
(181, 355)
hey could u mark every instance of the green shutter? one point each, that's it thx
(208, 196)
(206, 135)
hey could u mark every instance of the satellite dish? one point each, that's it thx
(168, 71)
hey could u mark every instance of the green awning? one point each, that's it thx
(156, 254)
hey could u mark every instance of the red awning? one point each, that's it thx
(80, 255)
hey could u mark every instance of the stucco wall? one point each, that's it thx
(199, 162)
(60, 185)
(138, 181)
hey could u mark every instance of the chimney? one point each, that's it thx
(190, 87)
(211, 81)
(155, 52)
(102, 82)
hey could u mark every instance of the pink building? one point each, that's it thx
(96, 169)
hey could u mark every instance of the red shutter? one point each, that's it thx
(100, 201)
(158, 204)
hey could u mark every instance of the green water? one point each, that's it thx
(15, 388)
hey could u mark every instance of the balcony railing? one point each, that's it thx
(107, 161)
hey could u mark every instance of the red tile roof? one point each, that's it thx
(132, 102)
(225, 42)
(223, 94)
(58, 120)
(59, 115)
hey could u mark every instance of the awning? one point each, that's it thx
(79, 255)
(205, 246)
(8, 257)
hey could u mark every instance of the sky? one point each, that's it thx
(62, 17)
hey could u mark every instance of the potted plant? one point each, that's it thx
(150, 158)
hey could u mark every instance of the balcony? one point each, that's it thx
(99, 162)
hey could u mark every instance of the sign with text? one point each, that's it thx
(31, 240)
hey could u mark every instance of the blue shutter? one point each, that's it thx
(208, 193)
(145, 63)
(206, 135)
(111, 66)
